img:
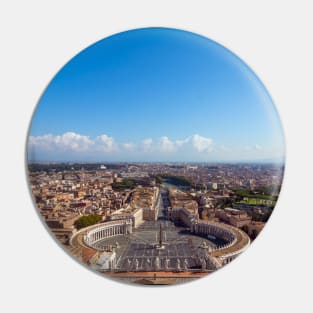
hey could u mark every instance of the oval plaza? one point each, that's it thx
(161, 238)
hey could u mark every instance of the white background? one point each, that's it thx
(274, 38)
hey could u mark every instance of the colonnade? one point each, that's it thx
(202, 228)
(106, 230)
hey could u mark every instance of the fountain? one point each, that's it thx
(136, 264)
(185, 264)
(157, 263)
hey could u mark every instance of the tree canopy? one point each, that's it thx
(87, 220)
(173, 179)
(124, 184)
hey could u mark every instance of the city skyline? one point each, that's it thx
(155, 224)
(153, 95)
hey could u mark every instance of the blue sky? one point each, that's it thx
(155, 94)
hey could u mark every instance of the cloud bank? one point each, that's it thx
(72, 146)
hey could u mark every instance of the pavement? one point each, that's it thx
(139, 251)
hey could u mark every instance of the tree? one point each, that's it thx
(125, 184)
(87, 220)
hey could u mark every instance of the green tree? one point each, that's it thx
(87, 220)
(124, 184)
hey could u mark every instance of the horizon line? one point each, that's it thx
(162, 162)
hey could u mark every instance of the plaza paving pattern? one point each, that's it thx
(138, 251)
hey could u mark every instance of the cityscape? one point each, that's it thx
(155, 223)
(155, 156)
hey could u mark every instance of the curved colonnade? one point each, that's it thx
(107, 230)
(236, 240)
(91, 235)
(205, 229)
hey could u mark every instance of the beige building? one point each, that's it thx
(254, 228)
(233, 217)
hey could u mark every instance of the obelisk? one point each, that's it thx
(160, 238)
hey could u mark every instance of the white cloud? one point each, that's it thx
(128, 146)
(181, 143)
(105, 143)
(147, 144)
(69, 141)
(195, 143)
(202, 144)
(166, 145)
